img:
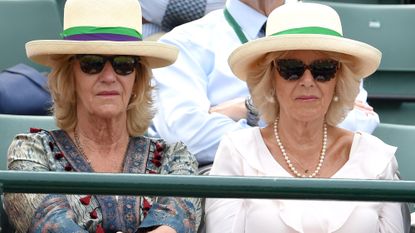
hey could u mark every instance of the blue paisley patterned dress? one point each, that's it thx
(54, 151)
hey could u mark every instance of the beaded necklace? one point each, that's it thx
(287, 159)
(78, 144)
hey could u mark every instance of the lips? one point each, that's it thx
(307, 97)
(108, 93)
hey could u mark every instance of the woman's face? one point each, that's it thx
(105, 93)
(304, 99)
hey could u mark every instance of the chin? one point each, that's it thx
(109, 112)
(309, 116)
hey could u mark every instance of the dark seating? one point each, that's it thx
(22, 21)
(387, 27)
(10, 125)
(403, 137)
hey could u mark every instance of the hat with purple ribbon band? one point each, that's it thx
(110, 27)
(306, 26)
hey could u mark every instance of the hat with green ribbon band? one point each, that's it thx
(101, 33)
(107, 27)
(305, 26)
(309, 30)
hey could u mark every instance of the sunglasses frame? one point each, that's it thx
(319, 75)
(87, 70)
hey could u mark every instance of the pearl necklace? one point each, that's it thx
(290, 165)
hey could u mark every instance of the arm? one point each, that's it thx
(362, 117)
(234, 109)
(173, 213)
(36, 212)
(185, 110)
(222, 213)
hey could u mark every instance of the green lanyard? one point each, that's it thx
(238, 30)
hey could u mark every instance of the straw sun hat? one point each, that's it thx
(306, 26)
(102, 27)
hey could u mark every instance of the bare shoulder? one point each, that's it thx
(341, 136)
(340, 142)
(338, 150)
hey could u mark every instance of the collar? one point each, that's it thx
(248, 19)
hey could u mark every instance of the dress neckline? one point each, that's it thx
(270, 159)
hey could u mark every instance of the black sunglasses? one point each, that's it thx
(93, 64)
(323, 70)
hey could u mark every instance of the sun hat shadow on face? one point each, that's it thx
(102, 27)
(306, 26)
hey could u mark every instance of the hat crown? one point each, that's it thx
(102, 27)
(103, 14)
(302, 15)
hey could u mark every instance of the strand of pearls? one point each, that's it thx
(290, 165)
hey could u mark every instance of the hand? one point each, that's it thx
(366, 108)
(234, 109)
(163, 229)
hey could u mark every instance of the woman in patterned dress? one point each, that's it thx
(101, 86)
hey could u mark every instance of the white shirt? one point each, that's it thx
(244, 153)
(201, 78)
(153, 11)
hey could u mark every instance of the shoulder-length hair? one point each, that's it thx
(61, 83)
(261, 84)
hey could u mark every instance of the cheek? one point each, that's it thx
(283, 89)
(82, 87)
(332, 87)
(86, 89)
(329, 92)
(128, 86)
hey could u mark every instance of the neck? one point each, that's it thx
(304, 133)
(102, 157)
(288, 158)
(264, 7)
(103, 131)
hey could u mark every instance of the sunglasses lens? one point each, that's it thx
(91, 64)
(290, 69)
(324, 70)
(124, 65)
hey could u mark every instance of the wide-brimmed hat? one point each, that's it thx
(306, 26)
(102, 27)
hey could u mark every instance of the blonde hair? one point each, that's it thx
(61, 84)
(261, 84)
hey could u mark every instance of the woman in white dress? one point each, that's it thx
(303, 78)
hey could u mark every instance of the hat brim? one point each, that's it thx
(156, 54)
(361, 58)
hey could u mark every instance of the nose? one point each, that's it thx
(108, 74)
(307, 79)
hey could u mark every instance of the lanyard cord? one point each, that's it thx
(235, 26)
